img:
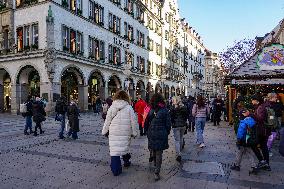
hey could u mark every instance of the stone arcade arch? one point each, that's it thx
(96, 87)
(140, 89)
(158, 89)
(114, 84)
(28, 83)
(5, 91)
(71, 81)
(178, 92)
(167, 92)
(173, 91)
(149, 91)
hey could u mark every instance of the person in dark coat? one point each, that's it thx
(158, 127)
(38, 115)
(61, 109)
(191, 119)
(28, 115)
(263, 132)
(73, 117)
(178, 117)
(217, 105)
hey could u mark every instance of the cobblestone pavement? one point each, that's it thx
(29, 162)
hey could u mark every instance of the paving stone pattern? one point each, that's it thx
(29, 162)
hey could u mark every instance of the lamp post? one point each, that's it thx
(127, 71)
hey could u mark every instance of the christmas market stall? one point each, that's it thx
(262, 73)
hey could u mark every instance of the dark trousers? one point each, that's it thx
(29, 124)
(191, 125)
(38, 125)
(216, 118)
(262, 153)
(73, 133)
(158, 157)
(142, 132)
(115, 164)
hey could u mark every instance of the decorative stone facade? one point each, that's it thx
(81, 52)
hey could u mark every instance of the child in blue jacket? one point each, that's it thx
(243, 139)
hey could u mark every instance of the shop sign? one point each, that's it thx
(121, 43)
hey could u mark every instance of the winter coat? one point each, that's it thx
(139, 109)
(29, 108)
(179, 116)
(73, 117)
(189, 105)
(121, 123)
(60, 107)
(218, 105)
(260, 116)
(278, 107)
(158, 126)
(38, 112)
(246, 123)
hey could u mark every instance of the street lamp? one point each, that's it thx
(127, 71)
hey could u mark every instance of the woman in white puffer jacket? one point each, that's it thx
(120, 125)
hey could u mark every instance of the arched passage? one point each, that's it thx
(173, 91)
(71, 78)
(140, 89)
(5, 91)
(149, 91)
(114, 85)
(178, 92)
(158, 89)
(28, 80)
(96, 85)
(167, 92)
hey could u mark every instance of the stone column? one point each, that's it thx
(50, 92)
(15, 98)
(83, 97)
(2, 102)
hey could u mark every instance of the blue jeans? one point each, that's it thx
(62, 121)
(29, 123)
(200, 124)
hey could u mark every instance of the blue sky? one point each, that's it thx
(221, 22)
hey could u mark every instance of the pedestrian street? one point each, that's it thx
(45, 161)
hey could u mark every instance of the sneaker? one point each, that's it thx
(261, 164)
(178, 159)
(267, 167)
(61, 137)
(202, 145)
(157, 176)
(235, 167)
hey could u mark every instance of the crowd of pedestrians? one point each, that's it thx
(258, 125)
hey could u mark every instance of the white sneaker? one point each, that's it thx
(202, 145)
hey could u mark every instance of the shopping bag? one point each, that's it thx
(67, 125)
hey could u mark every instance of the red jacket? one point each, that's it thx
(139, 109)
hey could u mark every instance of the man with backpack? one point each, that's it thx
(28, 114)
(60, 109)
(266, 121)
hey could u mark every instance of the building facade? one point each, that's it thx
(214, 75)
(85, 49)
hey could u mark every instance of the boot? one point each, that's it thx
(157, 176)
(31, 131)
(26, 133)
(35, 133)
(41, 132)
